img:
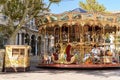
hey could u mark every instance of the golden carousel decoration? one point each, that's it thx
(79, 40)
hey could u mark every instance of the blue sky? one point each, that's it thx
(66, 5)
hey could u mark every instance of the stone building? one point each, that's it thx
(28, 35)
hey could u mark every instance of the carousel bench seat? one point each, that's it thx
(68, 58)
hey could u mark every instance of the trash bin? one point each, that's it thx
(2, 52)
(17, 58)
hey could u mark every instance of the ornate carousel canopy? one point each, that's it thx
(79, 16)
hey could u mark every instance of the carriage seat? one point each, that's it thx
(68, 55)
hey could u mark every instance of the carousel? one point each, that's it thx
(79, 40)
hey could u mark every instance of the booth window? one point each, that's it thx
(16, 52)
(22, 51)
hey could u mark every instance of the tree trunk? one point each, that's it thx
(12, 39)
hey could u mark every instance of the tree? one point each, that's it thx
(92, 5)
(21, 11)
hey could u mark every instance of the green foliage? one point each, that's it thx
(19, 10)
(92, 5)
(55, 1)
(2, 2)
(5, 30)
(16, 8)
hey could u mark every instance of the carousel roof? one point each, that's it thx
(79, 10)
(79, 16)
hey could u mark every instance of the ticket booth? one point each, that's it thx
(17, 58)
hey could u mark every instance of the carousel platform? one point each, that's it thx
(79, 66)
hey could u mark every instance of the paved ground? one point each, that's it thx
(55, 74)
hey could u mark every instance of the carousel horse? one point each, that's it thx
(112, 46)
(91, 59)
(45, 59)
(108, 53)
(87, 59)
(107, 58)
